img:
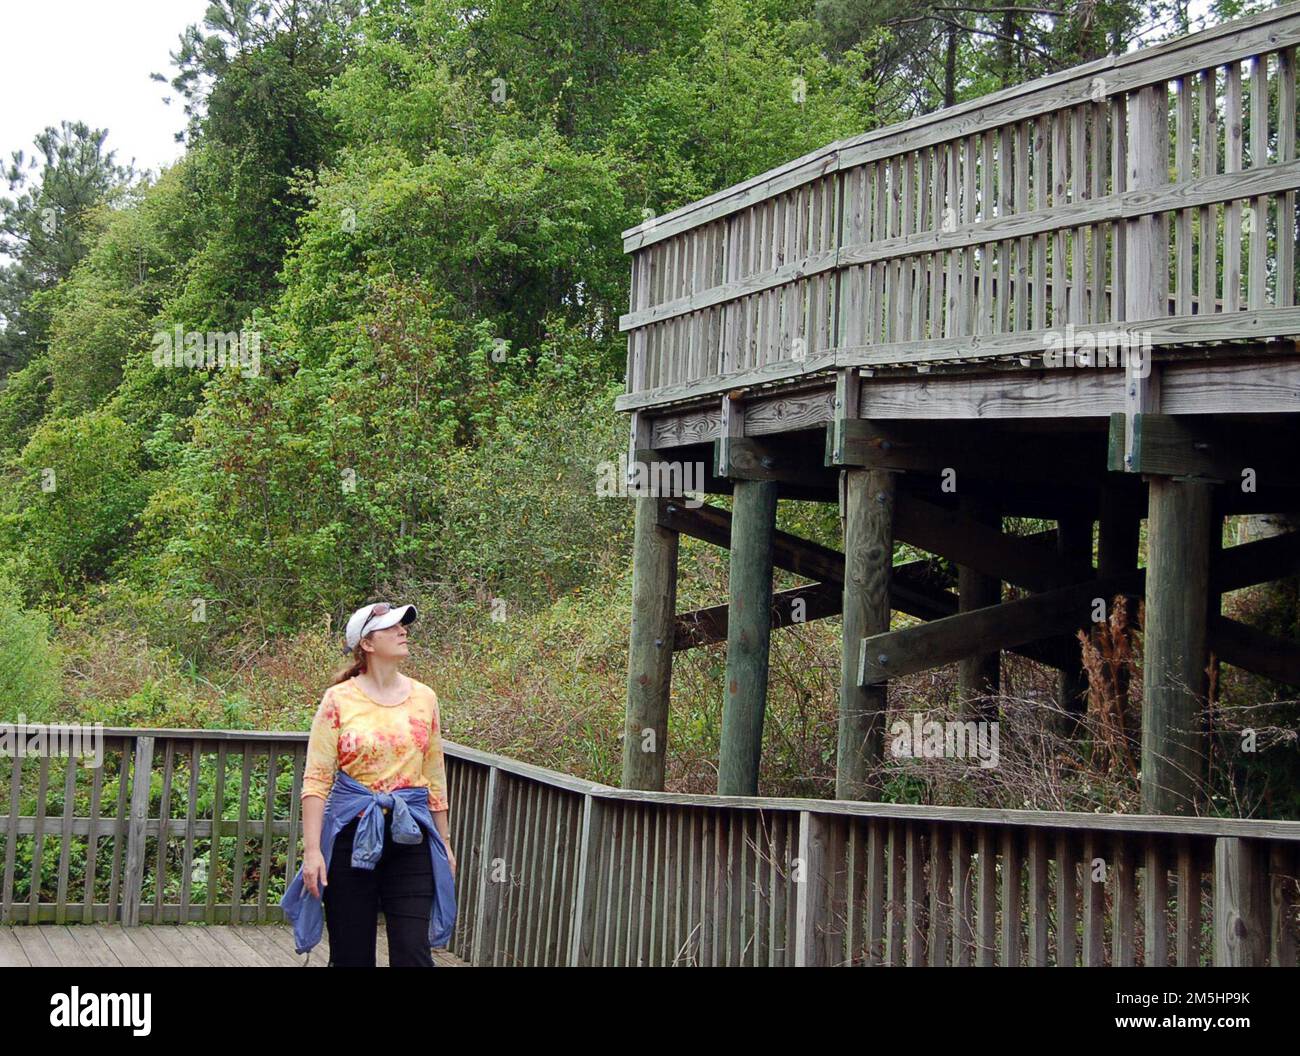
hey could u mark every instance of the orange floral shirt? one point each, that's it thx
(383, 747)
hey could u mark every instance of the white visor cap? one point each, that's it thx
(364, 620)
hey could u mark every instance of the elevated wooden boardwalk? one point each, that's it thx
(1073, 301)
(165, 946)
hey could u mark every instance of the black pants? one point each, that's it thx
(401, 884)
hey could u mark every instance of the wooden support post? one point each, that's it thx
(1074, 544)
(1173, 676)
(749, 626)
(979, 676)
(868, 562)
(650, 651)
(1241, 903)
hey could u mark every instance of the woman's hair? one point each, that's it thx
(356, 667)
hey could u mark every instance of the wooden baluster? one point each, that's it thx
(1038, 909)
(1232, 115)
(1067, 898)
(1155, 898)
(1257, 254)
(941, 899)
(1286, 118)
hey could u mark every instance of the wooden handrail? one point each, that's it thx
(979, 232)
(555, 869)
(1238, 39)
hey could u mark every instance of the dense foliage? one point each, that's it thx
(412, 211)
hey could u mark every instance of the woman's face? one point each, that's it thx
(389, 644)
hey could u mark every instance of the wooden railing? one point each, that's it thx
(973, 232)
(555, 870)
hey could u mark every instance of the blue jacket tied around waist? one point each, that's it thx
(410, 806)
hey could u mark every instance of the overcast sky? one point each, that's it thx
(90, 60)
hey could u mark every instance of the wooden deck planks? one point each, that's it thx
(169, 946)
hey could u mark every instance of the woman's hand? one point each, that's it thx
(451, 860)
(313, 872)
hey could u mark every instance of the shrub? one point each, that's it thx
(29, 667)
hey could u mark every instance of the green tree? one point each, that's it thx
(47, 227)
(248, 76)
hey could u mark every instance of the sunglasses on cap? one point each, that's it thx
(382, 609)
(371, 618)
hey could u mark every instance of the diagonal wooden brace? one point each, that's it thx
(996, 627)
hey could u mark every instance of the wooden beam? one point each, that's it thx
(748, 458)
(1206, 448)
(1262, 561)
(963, 539)
(912, 590)
(1259, 378)
(1252, 650)
(638, 440)
(913, 587)
(1029, 557)
(803, 604)
(654, 473)
(650, 650)
(1174, 645)
(669, 473)
(981, 452)
(1004, 626)
(713, 525)
(753, 525)
(915, 596)
(1267, 499)
(731, 423)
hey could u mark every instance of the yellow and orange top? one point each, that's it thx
(385, 747)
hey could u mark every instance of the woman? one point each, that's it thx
(374, 803)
